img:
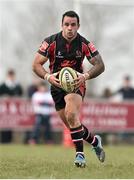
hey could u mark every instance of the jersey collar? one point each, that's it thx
(65, 40)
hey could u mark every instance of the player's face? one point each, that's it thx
(70, 27)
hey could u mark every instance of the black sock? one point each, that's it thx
(77, 138)
(89, 137)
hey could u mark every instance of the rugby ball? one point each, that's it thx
(66, 78)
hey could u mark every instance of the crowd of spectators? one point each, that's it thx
(38, 90)
(38, 93)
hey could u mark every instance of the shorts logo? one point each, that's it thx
(44, 46)
(92, 47)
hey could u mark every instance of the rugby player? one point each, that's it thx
(68, 49)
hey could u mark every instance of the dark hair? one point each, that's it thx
(127, 78)
(11, 72)
(71, 14)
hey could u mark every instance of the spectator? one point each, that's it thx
(9, 88)
(107, 93)
(32, 88)
(43, 108)
(127, 90)
(127, 93)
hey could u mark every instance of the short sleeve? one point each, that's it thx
(44, 48)
(89, 49)
(92, 49)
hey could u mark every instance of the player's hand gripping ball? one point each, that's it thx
(66, 78)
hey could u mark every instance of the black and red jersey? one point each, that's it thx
(61, 53)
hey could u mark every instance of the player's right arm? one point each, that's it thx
(38, 68)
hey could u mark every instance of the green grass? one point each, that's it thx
(56, 162)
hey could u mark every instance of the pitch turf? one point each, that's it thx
(56, 162)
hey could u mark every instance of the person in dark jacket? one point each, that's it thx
(9, 88)
(127, 91)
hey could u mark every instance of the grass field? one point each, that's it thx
(56, 162)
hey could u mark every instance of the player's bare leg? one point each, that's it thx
(72, 112)
(63, 118)
(94, 140)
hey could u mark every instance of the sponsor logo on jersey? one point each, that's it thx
(44, 46)
(68, 63)
(92, 47)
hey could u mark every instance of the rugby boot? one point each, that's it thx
(99, 149)
(80, 161)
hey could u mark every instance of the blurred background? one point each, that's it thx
(108, 23)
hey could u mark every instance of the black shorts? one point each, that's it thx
(58, 96)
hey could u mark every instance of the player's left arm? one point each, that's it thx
(97, 68)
